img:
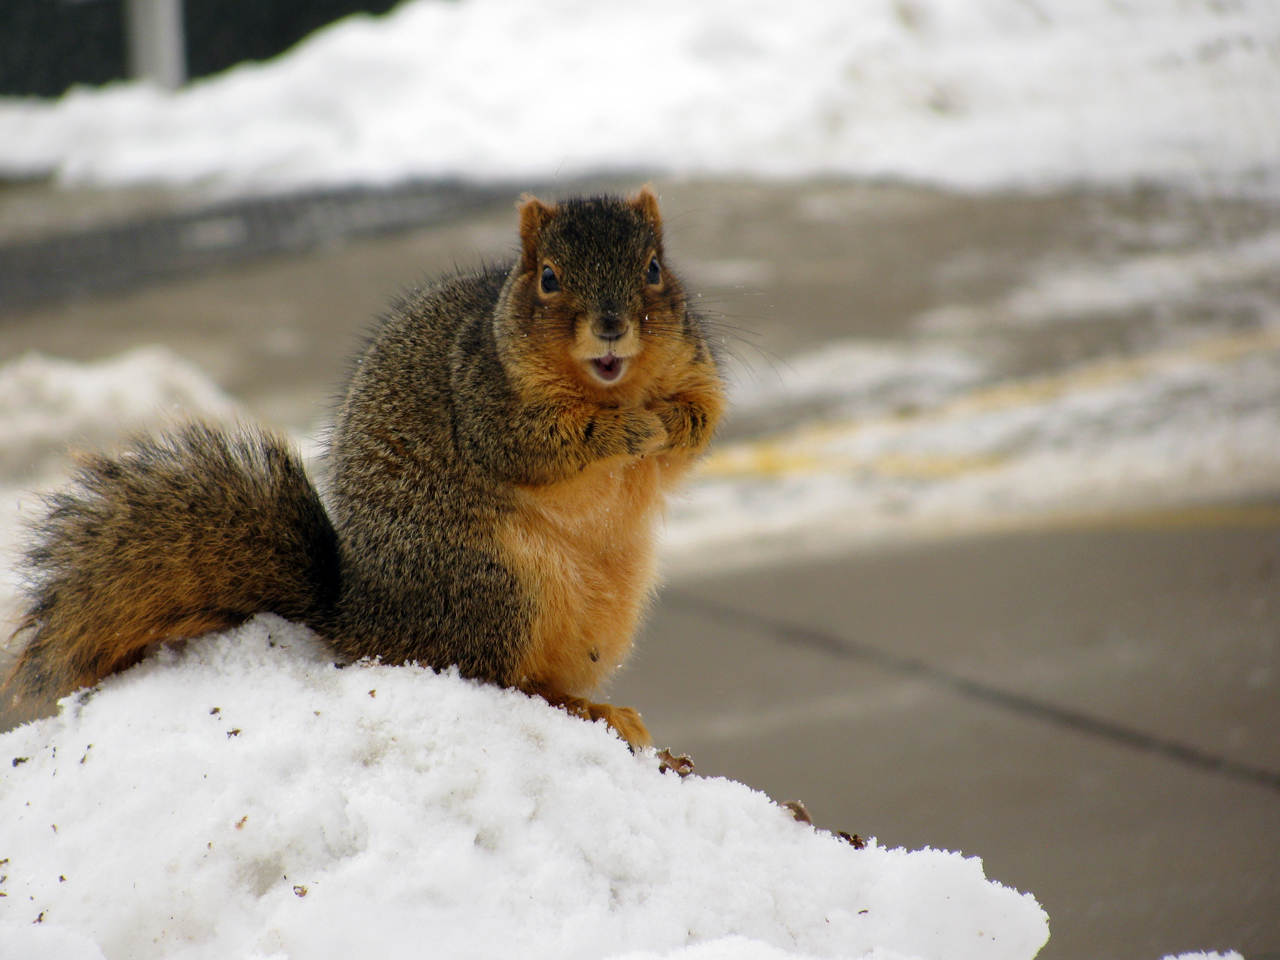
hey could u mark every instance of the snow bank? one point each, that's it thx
(967, 93)
(860, 443)
(48, 406)
(1166, 428)
(245, 798)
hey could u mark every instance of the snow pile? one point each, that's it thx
(244, 798)
(967, 93)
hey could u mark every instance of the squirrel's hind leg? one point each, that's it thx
(625, 721)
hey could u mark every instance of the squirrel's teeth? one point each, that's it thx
(608, 368)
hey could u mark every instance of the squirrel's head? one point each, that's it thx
(592, 281)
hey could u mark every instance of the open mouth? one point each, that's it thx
(608, 368)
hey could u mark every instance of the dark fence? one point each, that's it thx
(48, 45)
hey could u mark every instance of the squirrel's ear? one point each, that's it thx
(533, 216)
(646, 204)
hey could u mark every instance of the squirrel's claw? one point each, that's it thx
(625, 721)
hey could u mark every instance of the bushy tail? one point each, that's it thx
(195, 531)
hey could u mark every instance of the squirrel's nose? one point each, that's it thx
(609, 326)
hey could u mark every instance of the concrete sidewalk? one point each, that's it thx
(1092, 712)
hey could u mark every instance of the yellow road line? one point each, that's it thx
(797, 452)
(1203, 517)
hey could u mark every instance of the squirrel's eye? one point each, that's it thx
(655, 272)
(550, 284)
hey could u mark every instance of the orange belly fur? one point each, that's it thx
(585, 548)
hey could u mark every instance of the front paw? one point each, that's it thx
(646, 433)
(685, 424)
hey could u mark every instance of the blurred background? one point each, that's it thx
(987, 555)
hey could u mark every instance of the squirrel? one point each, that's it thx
(505, 447)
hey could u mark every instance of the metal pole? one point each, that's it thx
(157, 50)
